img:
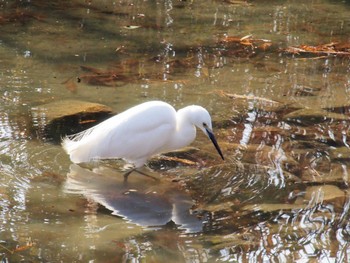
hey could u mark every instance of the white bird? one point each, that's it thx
(140, 132)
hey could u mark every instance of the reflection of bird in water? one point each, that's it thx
(138, 133)
(139, 201)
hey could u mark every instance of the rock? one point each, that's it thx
(325, 194)
(259, 103)
(319, 136)
(327, 169)
(312, 116)
(314, 195)
(227, 186)
(57, 119)
(340, 154)
(263, 155)
(341, 109)
(272, 207)
(322, 193)
(304, 91)
(243, 103)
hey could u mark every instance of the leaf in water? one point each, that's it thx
(323, 193)
(91, 69)
(259, 102)
(188, 156)
(21, 16)
(237, 2)
(264, 46)
(71, 85)
(221, 242)
(272, 207)
(107, 78)
(120, 49)
(340, 153)
(224, 186)
(337, 49)
(131, 27)
(247, 40)
(312, 116)
(23, 248)
(29, 244)
(304, 91)
(178, 160)
(6, 249)
(334, 173)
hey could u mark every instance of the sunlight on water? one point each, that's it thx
(275, 78)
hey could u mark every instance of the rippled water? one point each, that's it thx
(281, 119)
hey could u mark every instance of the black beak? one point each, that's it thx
(212, 138)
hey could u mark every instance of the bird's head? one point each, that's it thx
(200, 117)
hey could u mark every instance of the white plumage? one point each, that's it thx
(140, 132)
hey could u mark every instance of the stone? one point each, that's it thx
(59, 118)
(312, 116)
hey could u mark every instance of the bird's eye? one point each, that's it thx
(204, 124)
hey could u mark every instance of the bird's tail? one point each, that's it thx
(73, 149)
(79, 146)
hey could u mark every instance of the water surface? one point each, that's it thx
(282, 120)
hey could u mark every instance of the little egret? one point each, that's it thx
(140, 132)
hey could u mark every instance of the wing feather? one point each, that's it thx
(134, 135)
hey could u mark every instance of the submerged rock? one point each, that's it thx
(243, 103)
(325, 194)
(270, 207)
(226, 186)
(337, 173)
(321, 193)
(259, 103)
(340, 154)
(59, 118)
(312, 116)
(264, 155)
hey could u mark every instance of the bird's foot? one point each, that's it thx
(140, 172)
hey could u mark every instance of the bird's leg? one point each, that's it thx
(129, 169)
(147, 175)
(138, 171)
(127, 174)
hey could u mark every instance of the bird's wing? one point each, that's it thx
(140, 135)
(134, 134)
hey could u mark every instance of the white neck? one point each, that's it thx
(185, 130)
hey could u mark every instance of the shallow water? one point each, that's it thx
(282, 121)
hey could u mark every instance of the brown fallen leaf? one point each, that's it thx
(23, 248)
(176, 159)
(71, 85)
(246, 40)
(20, 16)
(27, 246)
(100, 77)
(246, 97)
(237, 2)
(91, 69)
(338, 49)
